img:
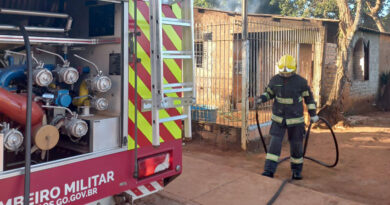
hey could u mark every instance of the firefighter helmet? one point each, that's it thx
(287, 65)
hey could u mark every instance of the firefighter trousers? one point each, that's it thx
(295, 136)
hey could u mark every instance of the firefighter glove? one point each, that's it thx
(314, 119)
(258, 101)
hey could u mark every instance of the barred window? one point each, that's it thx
(199, 54)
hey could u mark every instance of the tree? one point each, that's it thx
(352, 14)
(373, 12)
(308, 8)
(371, 15)
(348, 26)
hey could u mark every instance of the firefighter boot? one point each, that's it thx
(296, 171)
(269, 168)
(297, 175)
(268, 174)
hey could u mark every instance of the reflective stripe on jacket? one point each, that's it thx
(288, 94)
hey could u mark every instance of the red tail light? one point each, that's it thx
(154, 164)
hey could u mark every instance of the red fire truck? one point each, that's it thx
(95, 97)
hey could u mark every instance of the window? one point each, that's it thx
(199, 54)
(361, 60)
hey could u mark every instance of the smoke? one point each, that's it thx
(228, 5)
(254, 6)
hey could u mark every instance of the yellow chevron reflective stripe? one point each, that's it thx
(176, 10)
(172, 127)
(171, 64)
(277, 118)
(296, 160)
(145, 28)
(130, 143)
(144, 92)
(145, 61)
(293, 121)
(311, 106)
(305, 93)
(143, 124)
(171, 33)
(287, 101)
(141, 21)
(272, 157)
(174, 68)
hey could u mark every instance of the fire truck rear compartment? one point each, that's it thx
(78, 102)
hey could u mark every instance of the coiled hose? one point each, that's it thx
(277, 193)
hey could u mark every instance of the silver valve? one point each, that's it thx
(66, 74)
(99, 83)
(76, 127)
(99, 103)
(41, 76)
(13, 138)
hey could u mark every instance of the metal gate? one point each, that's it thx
(218, 59)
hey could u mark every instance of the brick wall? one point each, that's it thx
(360, 94)
(329, 70)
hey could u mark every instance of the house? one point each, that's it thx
(313, 42)
(368, 62)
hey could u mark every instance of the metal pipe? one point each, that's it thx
(33, 13)
(135, 174)
(33, 29)
(21, 54)
(99, 72)
(58, 107)
(69, 24)
(54, 54)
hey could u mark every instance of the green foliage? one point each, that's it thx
(207, 3)
(204, 3)
(328, 9)
(308, 8)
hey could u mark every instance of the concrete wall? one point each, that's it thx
(359, 94)
(384, 54)
(363, 93)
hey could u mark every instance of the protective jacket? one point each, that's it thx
(289, 93)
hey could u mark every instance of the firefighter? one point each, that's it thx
(288, 90)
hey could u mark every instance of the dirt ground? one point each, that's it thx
(363, 172)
